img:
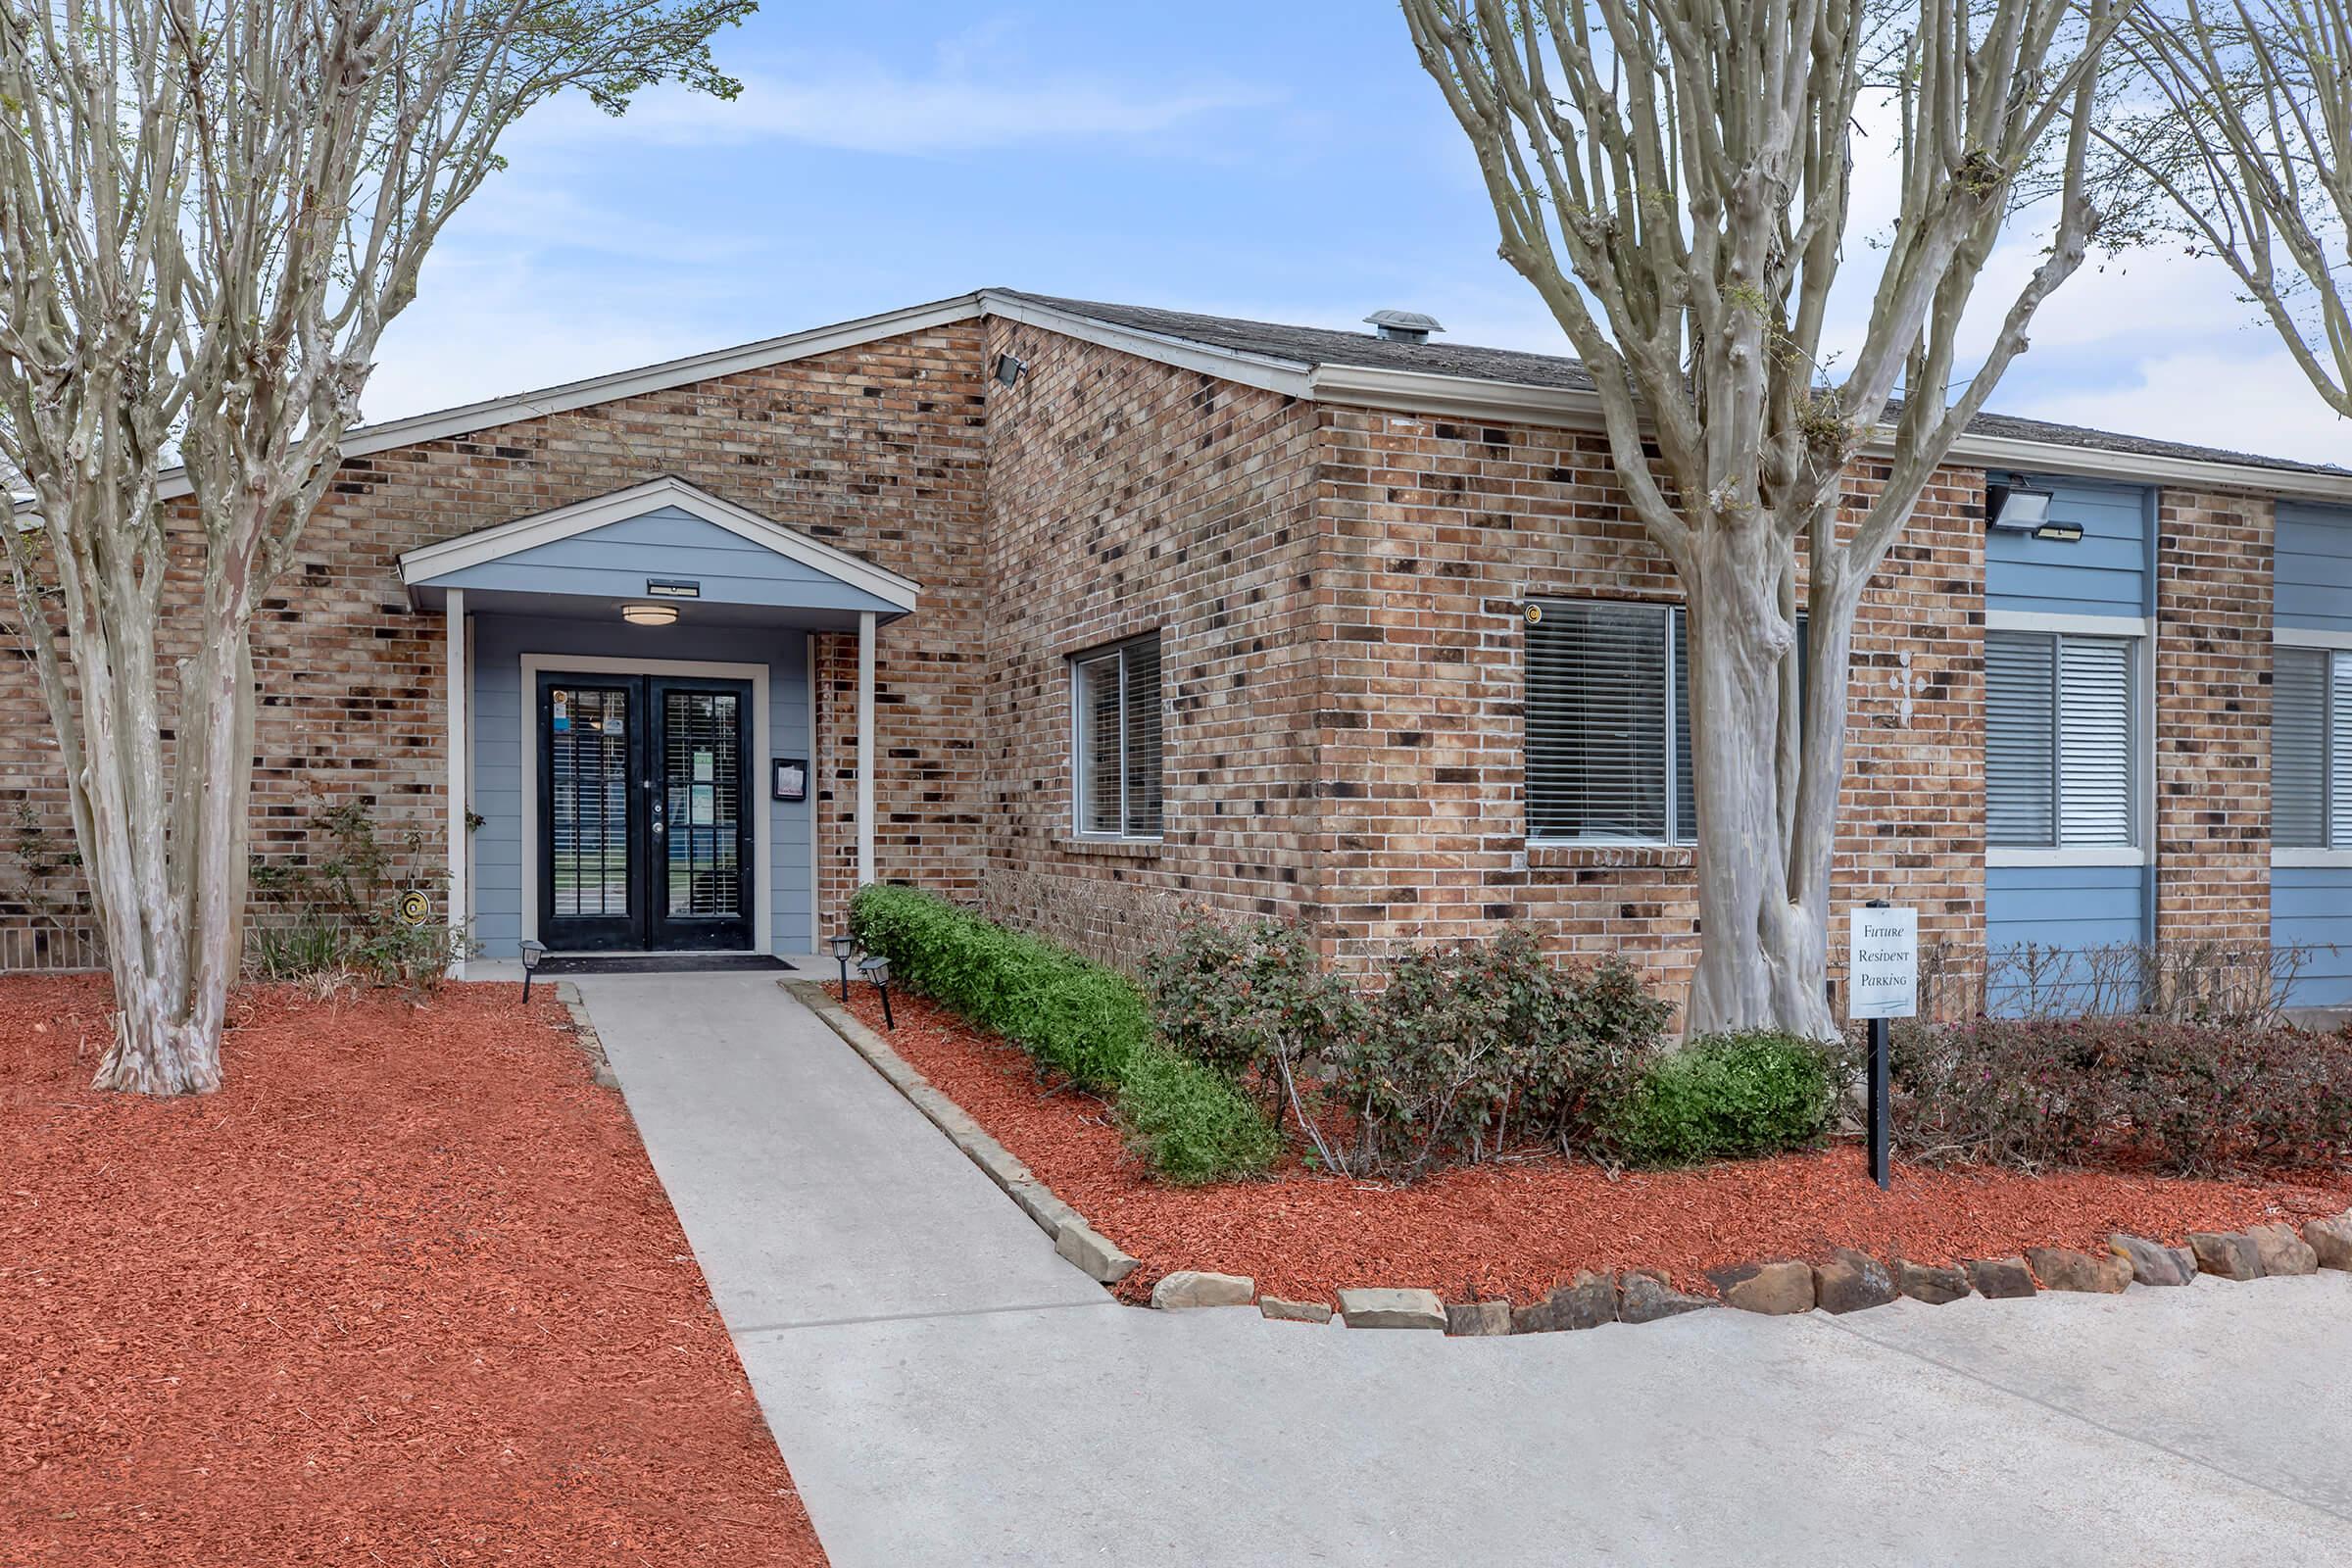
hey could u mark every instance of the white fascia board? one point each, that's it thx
(420, 565)
(2309, 637)
(1290, 377)
(2059, 622)
(1457, 396)
(490, 413)
(2141, 467)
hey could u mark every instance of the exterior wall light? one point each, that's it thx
(2016, 508)
(1009, 368)
(649, 614)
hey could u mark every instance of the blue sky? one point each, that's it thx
(1284, 160)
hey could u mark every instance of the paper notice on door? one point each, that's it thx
(563, 713)
(702, 807)
(702, 767)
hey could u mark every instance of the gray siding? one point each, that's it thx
(2314, 567)
(2311, 906)
(498, 714)
(613, 562)
(2105, 572)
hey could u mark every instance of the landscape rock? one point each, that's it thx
(1477, 1319)
(2001, 1278)
(2283, 1252)
(1588, 1302)
(2062, 1268)
(2225, 1254)
(1851, 1281)
(1093, 1253)
(1776, 1289)
(1391, 1309)
(1186, 1288)
(2331, 1241)
(1923, 1282)
(1645, 1298)
(1285, 1312)
(2153, 1264)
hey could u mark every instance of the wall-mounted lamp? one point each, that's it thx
(2017, 509)
(1009, 370)
(649, 614)
(2064, 532)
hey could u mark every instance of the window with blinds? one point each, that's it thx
(1608, 725)
(2061, 722)
(1115, 755)
(2311, 750)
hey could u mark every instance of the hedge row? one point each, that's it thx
(1073, 1018)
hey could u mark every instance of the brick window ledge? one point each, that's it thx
(1609, 856)
(1114, 848)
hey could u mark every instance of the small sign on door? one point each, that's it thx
(1883, 968)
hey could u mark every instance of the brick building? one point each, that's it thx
(1150, 609)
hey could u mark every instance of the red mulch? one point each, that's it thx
(1518, 1228)
(405, 1292)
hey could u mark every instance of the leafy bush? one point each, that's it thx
(2186, 1098)
(1188, 1122)
(1465, 1048)
(1072, 1015)
(336, 913)
(1728, 1097)
(1077, 1018)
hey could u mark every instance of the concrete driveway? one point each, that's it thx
(947, 1391)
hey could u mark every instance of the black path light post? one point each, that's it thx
(877, 969)
(532, 952)
(1882, 983)
(843, 946)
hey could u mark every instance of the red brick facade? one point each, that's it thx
(1337, 591)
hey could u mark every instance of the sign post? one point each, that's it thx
(1882, 983)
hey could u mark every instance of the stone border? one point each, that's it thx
(584, 1035)
(1092, 1253)
(1849, 1282)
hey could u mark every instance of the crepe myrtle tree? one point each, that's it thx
(2231, 127)
(209, 211)
(1675, 178)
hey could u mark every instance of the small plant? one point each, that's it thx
(1728, 1097)
(337, 913)
(1187, 1123)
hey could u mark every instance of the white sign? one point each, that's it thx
(1883, 971)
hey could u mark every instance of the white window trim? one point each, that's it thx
(2313, 858)
(2309, 637)
(1077, 683)
(2144, 737)
(1677, 685)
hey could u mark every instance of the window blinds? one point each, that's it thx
(2094, 743)
(2021, 783)
(1119, 740)
(1598, 721)
(2299, 748)
(2059, 731)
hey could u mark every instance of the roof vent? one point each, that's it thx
(1403, 326)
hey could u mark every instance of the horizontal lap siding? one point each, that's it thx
(2102, 573)
(2311, 907)
(2315, 567)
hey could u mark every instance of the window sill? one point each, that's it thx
(1564, 857)
(1117, 848)
(2012, 856)
(2282, 859)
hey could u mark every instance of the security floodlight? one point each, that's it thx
(2016, 509)
(1009, 368)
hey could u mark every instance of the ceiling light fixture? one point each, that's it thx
(649, 614)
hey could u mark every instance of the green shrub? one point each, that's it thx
(1250, 1001)
(1728, 1097)
(1075, 1017)
(1190, 1122)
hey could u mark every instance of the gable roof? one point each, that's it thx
(1358, 369)
(433, 564)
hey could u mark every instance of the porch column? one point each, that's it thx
(453, 619)
(865, 747)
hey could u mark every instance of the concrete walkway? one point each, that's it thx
(947, 1391)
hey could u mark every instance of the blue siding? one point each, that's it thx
(498, 714)
(2311, 906)
(2102, 573)
(613, 562)
(2314, 567)
(2068, 907)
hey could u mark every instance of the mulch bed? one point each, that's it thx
(1517, 1228)
(405, 1292)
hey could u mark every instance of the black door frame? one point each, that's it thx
(646, 926)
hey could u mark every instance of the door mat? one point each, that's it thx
(656, 963)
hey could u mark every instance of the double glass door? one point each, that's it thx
(645, 813)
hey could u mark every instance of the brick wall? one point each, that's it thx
(1438, 531)
(876, 449)
(1123, 496)
(2213, 705)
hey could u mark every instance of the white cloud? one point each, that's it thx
(2255, 402)
(862, 106)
